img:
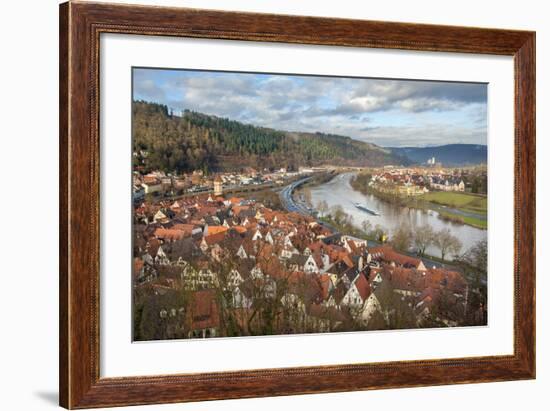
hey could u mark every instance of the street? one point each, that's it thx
(287, 200)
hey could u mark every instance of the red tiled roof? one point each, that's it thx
(215, 229)
(389, 255)
(319, 311)
(150, 180)
(240, 229)
(187, 228)
(207, 210)
(363, 287)
(214, 238)
(373, 273)
(204, 310)
(452, 280)
(235, 200)
(318, 259)
(405, 278)
(238, 209)
(347, 261)
(169, 234)
(326, 283)
(138, 265)
(152, 247)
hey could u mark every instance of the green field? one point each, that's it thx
(462, 201)
(457, 218)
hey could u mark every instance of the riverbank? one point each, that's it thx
(457, 208)
(346, 228)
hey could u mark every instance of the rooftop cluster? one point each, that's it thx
(209, 266)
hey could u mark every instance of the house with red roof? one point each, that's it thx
(357, 293)
(203, 315)
(214, 229)
(167, 234)
(208, 241)
(388, 255)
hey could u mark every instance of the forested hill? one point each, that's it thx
(197, 141)
(450, 155)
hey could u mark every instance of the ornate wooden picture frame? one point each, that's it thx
(81, 25)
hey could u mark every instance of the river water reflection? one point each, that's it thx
(338, 191)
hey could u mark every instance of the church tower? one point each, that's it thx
(218, 186)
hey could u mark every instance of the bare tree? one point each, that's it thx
(366, 226)
(476, 257)
(402, 237)
(347, 220)
(423, 238)
(338, 214)
(306, 192)
(475, 265)
(447, 243)
(322, 206)
(394, 309)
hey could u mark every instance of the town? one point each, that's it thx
(158, 183)
(421, 180)
(458, 195)
(216, 265)
(389, 179)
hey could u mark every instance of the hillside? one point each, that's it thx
(199, 141)
(449, 155)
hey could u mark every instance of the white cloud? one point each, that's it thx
(457, 111)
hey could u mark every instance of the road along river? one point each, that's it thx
(338, 191)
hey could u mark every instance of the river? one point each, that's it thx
(338, 191)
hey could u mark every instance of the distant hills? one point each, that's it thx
(450, 155)
(162, 140)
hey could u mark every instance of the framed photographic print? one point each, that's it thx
(257, 205)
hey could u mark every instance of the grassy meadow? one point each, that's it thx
(463, 201)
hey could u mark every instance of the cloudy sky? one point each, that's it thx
(385, 112)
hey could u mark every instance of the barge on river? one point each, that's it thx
(365, 209)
